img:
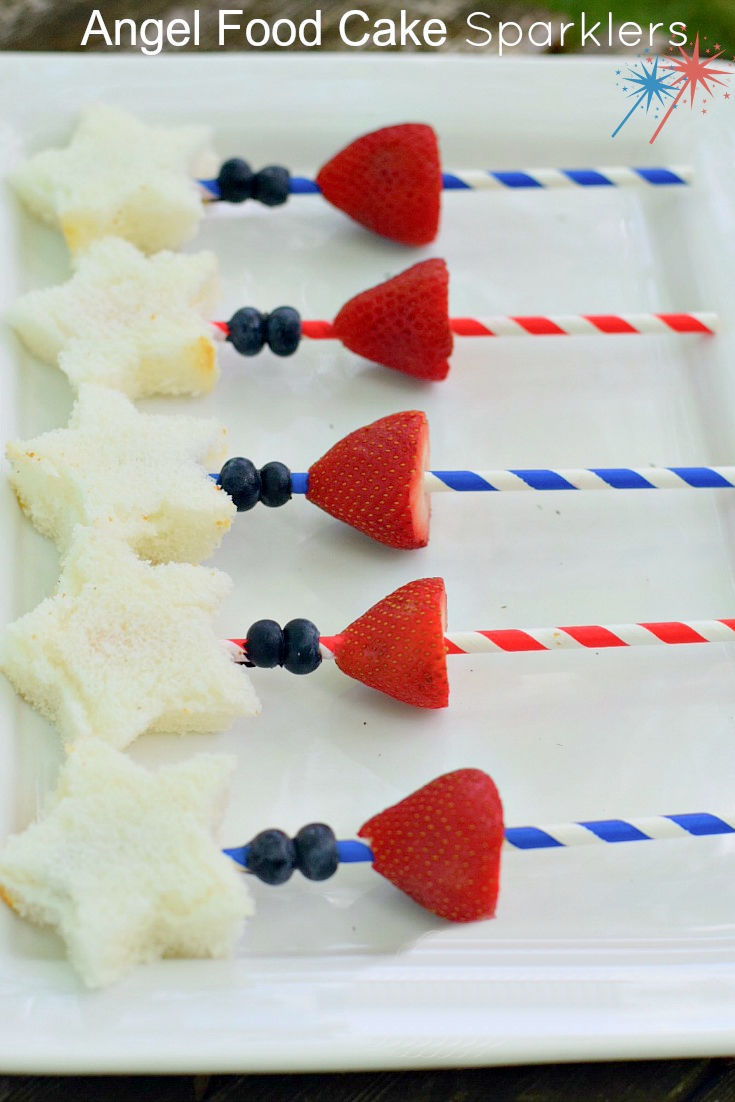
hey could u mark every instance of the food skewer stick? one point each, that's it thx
(400, 645)
(572, 637)
(645, 828)
(535, 325)
(404, 323)
(482, 179)
(375, 479)
(391, 180)
(564, 478)
(442, 844)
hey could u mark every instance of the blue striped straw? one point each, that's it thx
(612, 176)
(492, 179)
(571, 478)
(586, 478)
(610, 831)
(590, 478)
(696, 824)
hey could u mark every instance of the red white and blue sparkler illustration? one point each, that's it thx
(689, 74)
(649, 85)
(666, 85)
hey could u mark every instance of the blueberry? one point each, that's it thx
(240, 479)
(275, 484)
(272, 856)
(283, 330)
(247, 331)
(271, 185)
(316, 851)
(265, 645)
(301, 647)
(236, 181)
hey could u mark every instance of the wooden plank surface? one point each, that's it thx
(645, 1081)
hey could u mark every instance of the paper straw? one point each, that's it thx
(606, 176)
(581, 478)
(582, 636)
(494, 179)
(543, 325)
(588, 832)
(564, 478)
(584, 325)
(555, 325)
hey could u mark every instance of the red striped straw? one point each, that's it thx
(585, 636)
(553, 325)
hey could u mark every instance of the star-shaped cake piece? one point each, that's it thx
(124, 647)
(138, 475)
(119, 176)
(124, 863)
(138, 324)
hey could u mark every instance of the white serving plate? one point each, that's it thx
(622, 952)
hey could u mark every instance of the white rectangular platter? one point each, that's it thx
(618, 952)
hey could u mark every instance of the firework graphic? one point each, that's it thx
(649, 86)
(667, 85)
(688, 73)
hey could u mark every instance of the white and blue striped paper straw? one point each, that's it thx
(587, 478)
(697, 824)
(573, 478)
(497, 179)
(608, 176)
(610, 831)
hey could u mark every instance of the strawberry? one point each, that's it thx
(389, 181)
(397, 646)
(441, 845)
(402, 323)
(373, 479)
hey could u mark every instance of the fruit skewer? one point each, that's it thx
(151, 329)
(561, 478)
(404, 324)
(141, 635)
(237, 182)
(400, 645)
(136, 471)
(442, 845)
(375, 479)
(391, 180)
(150, 185)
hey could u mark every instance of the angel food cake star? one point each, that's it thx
(124, 863)
(134, 323)
(143, 477)
(124, 647)
(119, 176)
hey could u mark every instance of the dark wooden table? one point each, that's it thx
(648, 1081)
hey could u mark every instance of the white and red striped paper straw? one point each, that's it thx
(553, 325)
(577, 637)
